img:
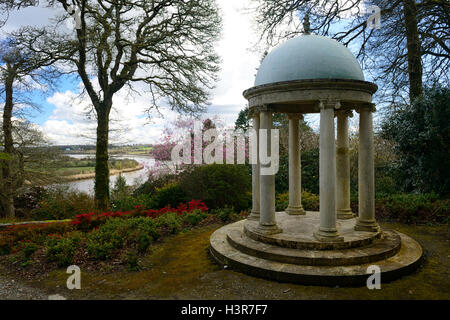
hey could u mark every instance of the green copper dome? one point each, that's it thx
(309, 57)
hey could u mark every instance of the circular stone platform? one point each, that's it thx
(296, 256)
(298, 233)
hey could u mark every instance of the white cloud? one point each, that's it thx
(71, 123)
(68, 124)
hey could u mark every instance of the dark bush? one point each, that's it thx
(421, 136)
(29, 200)
(225, 214)
(413, 208)
(310, 201)
(218, 185)
(171, 194)
(61, 203)
(409, 208)
(310, 172)
(153, 183)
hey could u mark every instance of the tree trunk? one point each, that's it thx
(8, 196)
(413, 46)
(101, 160)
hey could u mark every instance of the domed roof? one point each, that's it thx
(309, 57)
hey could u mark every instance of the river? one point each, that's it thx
(133, 177)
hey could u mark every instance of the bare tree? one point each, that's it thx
(411, 45)
(165, 44)
(20, 71)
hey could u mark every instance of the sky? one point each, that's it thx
(63, 117)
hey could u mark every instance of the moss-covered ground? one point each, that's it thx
(181, 268)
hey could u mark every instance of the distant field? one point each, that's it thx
(74, 170)
(137, 150)
(67, 166)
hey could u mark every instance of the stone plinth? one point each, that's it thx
(297, 256)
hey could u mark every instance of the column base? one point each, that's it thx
(367, 225)
(268, 230)
(254, 215)
(330, 235)
(291, 210)
(345, 214)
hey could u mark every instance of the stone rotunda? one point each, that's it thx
(315, 74)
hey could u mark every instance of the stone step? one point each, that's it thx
(387, 246)
(298, 233)
(406, 260)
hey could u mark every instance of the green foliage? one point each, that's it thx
(29, 200)
(413, 208)
(36, 233)
(170, 194)
(116, 233)
(281, 201)
(310, 201)
(242, 122)
(28, 249)
(282, 176)
(153, 183)
(170, 222)
(194, 217)
(384, 184)
(110, 236)
(62, 249)
(218, 185)
(131, 260)
(421, 133)
(120, 186)
(121, 198)
(310, 172)
(225, 214)
(60, 203)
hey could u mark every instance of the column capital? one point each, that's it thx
(252, 113)
(366, 107)
(344, 112)
(295, 116)
(329, 104)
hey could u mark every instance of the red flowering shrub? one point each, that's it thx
(37, 233)
(103, 237)
(89, 221)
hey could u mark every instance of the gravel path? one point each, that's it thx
(14, 290)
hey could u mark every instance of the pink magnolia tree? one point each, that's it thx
(233, 144)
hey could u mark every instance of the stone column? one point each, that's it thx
(295, 167)
(327, 175)
(254, 215)
(343, 167)
(267, 222)
(366, 175)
